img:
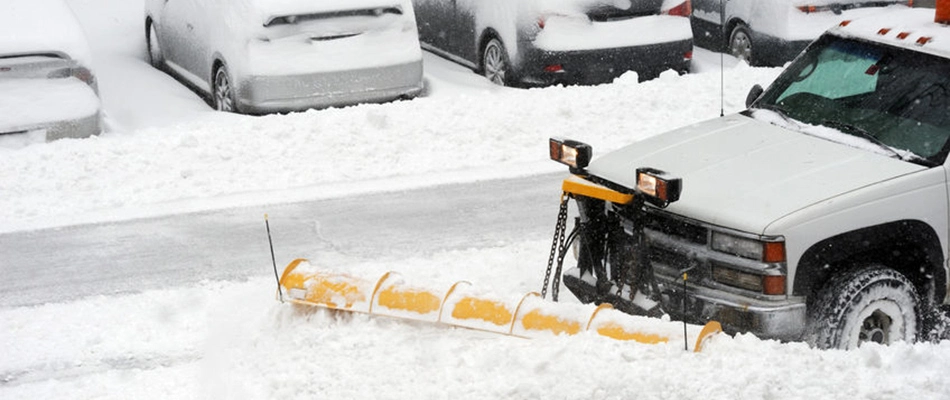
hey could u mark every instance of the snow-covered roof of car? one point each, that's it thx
(31, 26)
(913, 29)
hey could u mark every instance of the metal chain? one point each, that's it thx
(556, 245)
(562, 251)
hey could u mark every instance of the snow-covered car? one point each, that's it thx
(47, 87)
(262, 56)
(773, 32)
(546, 42)
(819, 214)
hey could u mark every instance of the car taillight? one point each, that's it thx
(685, 9)
(84, 74)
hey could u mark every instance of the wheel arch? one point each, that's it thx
(911, 247)
(217, 61)
(729, 27)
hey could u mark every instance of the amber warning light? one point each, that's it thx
(943, 12)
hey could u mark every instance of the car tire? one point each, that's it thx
(495, 64)
(155, 56)
(740, 43)
(222, 91)
(870, 304)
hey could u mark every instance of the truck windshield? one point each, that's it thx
(896, 99)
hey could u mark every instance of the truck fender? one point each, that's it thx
(909, 246)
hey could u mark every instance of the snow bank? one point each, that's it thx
(499, 132)
(234, 341)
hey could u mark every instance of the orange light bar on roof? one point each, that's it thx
(883, 31)
(942, 14)
(923, 40)
(903, 35)
(845, 23)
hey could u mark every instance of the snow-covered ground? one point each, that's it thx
(167, 152)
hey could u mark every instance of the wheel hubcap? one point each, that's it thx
(741, 46)
(222, 91)
(875, 328)
(495, 64)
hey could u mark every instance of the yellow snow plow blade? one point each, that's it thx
(463, 305)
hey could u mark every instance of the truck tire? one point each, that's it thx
(869, 304)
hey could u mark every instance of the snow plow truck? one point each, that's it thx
(821, 214)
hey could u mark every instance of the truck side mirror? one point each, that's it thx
(753, 95)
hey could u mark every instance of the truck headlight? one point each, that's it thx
(766, 251)
(660, 188)
(571, 153)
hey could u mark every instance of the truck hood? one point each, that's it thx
(745, 174)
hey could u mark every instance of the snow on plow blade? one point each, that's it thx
(463, 305)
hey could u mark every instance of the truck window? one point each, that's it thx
(839, 70)
(890, 96)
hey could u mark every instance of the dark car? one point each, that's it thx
(547, 42)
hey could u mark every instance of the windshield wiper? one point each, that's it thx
(851, 129)
(776, 109)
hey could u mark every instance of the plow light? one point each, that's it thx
(574, 154)
(660, 188)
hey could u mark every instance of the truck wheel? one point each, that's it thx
(870, 304)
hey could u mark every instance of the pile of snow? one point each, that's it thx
(469, 135)
(235, 341)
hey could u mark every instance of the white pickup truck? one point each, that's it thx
(819, 214)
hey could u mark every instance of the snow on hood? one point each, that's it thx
(31, 26)
(745, 174)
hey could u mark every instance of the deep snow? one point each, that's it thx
(225, 340)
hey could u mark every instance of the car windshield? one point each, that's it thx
(895, 99)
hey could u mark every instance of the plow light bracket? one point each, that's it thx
(572, 153)
(659, 188)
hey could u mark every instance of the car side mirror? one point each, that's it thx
(753, 95)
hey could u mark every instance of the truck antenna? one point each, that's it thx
(722, 73)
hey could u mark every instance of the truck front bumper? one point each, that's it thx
(781, 320)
